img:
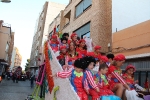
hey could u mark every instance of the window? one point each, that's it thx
(7, 47)
(84, 30)
(82, 6)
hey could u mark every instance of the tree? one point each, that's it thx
(27, 65)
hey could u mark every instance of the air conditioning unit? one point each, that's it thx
(6, 1)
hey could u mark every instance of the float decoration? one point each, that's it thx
(48, 67)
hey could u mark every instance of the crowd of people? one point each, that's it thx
(90, 72)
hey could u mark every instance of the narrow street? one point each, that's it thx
(14, 91)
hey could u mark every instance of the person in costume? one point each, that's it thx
(82, 48)
(97, 55)
(117, 83)
(93, 88)
(77, 78)
(74, 39)
(64, 42)
(63, 54)
(103, 60)
(66, 35)
(110, 57)
(54, 43)
(103, 81)
(72, 53)
(129, 76)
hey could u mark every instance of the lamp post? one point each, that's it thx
(6, 1)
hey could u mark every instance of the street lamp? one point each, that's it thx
(6, 1)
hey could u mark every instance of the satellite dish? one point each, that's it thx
(6, 1)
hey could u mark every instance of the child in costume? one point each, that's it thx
(64, 42)
(54, 43)
(129, 78)
(77, 78)
(103, 60)
(93, 88)
(97, 55)
(82, 48)
(63, 54)
(117, 83)
(103, 81)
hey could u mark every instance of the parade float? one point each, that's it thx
(51, 88)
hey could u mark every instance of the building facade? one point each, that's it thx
(48, 13)
(6, 46)
(134, 43)
(18, 58)
(13, 59)
(88, 18)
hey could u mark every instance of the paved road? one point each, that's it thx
(14, 91)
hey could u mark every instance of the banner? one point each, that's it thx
(62, 87)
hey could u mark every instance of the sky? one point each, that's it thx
(126, 13)
(22, 15)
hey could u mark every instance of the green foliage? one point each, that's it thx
(27, 65)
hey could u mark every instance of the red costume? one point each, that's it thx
(61, 57)
(54, 44)
(129, 79)
(90, 78)
(77, 83)
(76, 41)
(93, 54)
(92, 85)
(104, 59)
(82, 51)
(71, 58)
(103, 84)
(115, 73)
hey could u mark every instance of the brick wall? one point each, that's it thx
(100, 16)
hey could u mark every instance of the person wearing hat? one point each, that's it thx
(103, 60)
(77, 78)
(96, 54)
(82, 48)
(129, 76)
(117, 83)
(62, 55)
(93, 88)
(54, 43)
(74, 39)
